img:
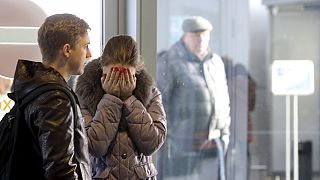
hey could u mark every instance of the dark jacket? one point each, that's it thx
(58, 147)
(122, 135)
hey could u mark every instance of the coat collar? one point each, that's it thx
(181, 50)
(30, 75)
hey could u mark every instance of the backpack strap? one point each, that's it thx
(18, 111)
(42, 89)
(49, 87)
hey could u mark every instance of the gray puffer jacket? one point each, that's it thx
(195, 97)
(122, 135)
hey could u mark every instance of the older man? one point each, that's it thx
(195, 95)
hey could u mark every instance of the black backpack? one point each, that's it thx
(13, 124)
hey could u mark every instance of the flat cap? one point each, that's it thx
(196, 24)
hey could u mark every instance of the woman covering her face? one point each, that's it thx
(123, 112)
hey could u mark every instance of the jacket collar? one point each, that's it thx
(183, 52)
(30, 75)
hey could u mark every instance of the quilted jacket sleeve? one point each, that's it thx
(147, 126)
(102, 128)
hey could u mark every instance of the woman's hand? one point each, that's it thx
(111, 82)
(127, 84)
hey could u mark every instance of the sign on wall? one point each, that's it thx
(292, 77)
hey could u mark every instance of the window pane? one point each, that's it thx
(18, 32)
(272, 136)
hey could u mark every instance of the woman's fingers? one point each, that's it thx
(110, 83)
(126, 75)
(109, 74)
(114, 79)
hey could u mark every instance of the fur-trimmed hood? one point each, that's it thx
(90, 92)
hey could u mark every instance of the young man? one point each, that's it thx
(193, 84)
(57, 146)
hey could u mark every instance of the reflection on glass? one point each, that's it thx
(193, 83)
(251, 35)
(5, 102)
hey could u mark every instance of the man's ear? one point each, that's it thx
(66, 50)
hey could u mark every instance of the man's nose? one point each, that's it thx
(88, 55)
